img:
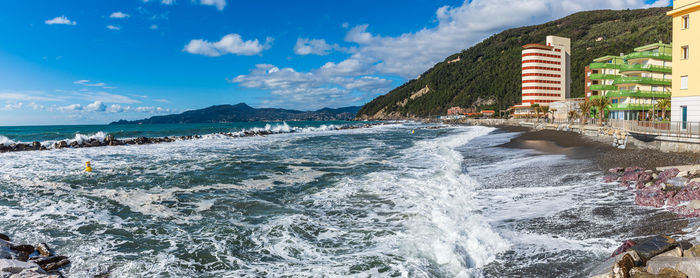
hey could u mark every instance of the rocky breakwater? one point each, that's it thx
(24, 261)
(657, 256)
(673, 189)
(110, 140)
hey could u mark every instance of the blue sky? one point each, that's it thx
(92, 62)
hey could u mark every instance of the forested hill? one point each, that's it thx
(488, 74)
(243, 113)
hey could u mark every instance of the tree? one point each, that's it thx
(536, 108)
(664, 104)
(544, 109)
(572, 115)
(601, 104)
(585, 107)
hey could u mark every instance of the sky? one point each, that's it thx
(93, 62)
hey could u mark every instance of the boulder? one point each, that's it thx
(624, 247)
(44, 249)
(688, 266)
(33, 273)
(4, 237)
(675, 252)
(693, 252)
(664, 273)
(694, 204)
(618, 266)
(36, 145)
(653, 246)
(13, 267)
(60, 145)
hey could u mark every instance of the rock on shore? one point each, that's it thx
(24, 261)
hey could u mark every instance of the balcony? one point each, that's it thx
(649, 55)
(604, 66)
(602, 87)
(628, 106)
(647, 68)
(642, 80)
(638, 94)
(601, 76)
(594, 97)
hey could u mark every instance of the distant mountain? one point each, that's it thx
(243, 113)
(488, 74)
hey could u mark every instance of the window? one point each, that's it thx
(684, 82)
(685, 22)
(685, 53)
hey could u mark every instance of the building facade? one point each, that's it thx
(601, 74)
(546, 73)
(685, 98)
(645, 78)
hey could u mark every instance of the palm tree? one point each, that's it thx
(572, 115)
(544, 110)
(585, 107)
(664, 104)
(536, 108)
(601, 104)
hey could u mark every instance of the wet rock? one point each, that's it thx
(33, 273)
(55, 266)
(694, 204)
(693, 252)
(667, 174)
(44, 249)
(609, 179)
(653, 246)
(688, 266)
(624, 247)
(618, 266)
(4, 237)
(36, 145)
(60, 145)
(13, 267)
(675, 252)
(664, 273)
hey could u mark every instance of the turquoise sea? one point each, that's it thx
(394, 200)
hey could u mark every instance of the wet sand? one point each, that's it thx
(605, 155)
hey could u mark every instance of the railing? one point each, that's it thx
(659, 128)
(602, 87)
(629, 106)
(603, 76)
(649, 54)
(642, 80)
(654, 128)
(651, 68)
(604, 66)
(640, 94)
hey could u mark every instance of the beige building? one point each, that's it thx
(546, 74)
(685, 98)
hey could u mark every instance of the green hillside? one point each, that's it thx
(488, 75)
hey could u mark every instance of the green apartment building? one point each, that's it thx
(633, 82)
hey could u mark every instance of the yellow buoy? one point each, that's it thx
(413, 131)
(87, 167)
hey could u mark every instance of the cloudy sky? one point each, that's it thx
(92, 62)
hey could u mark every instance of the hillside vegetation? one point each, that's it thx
(488, 74)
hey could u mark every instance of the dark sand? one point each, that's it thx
(604, 154)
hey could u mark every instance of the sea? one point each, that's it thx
(398, 199)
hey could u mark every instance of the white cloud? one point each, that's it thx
(306, 46)
(69, 108)
(107, 97)
(12, 106)
(161, 100)
(309, 90)
(96, 106)
(87, 83)
(113, 27)
(229, 44)
(153, 27)
(27, 96)
(60, 20)
(119, 15)
(220, 4)
(410, 54)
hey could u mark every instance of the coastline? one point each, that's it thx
(605, 155)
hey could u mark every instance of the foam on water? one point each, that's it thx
(310, 203)
(5, 141)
